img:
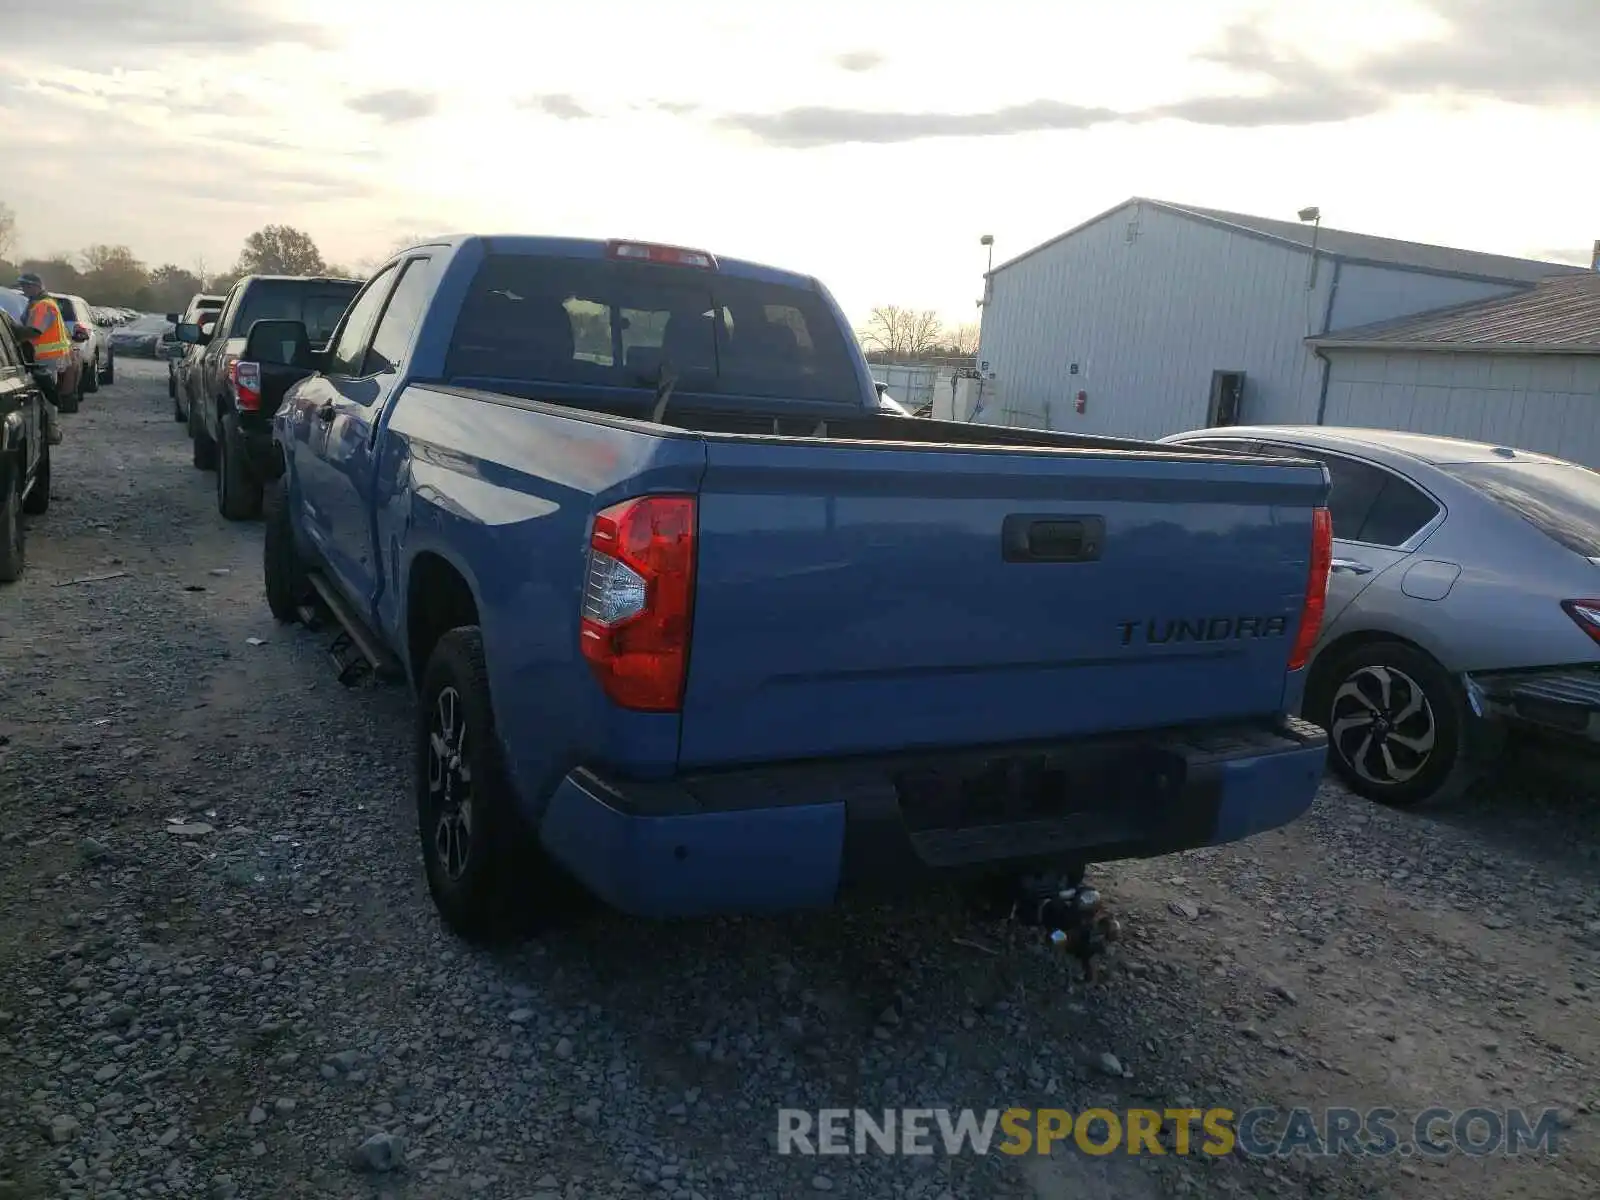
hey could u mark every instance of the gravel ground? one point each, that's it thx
(220, 974)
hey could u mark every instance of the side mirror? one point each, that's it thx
(881, 387)
(80, 332)
(279, 343)
(191, 334)
(174, 318)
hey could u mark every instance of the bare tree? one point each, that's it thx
(8, 230)
(902, 332)
(963, 339)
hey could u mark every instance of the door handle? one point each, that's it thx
(325, 413)
(1350, 566)
(1045, 538)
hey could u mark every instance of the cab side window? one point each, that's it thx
(350, 344)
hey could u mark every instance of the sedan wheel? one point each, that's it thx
(1394, 718)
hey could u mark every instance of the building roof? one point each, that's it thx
(1339, 244)
(1559, 315)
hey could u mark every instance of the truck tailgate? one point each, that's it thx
(859, 598)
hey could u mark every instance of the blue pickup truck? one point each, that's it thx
(697, 624)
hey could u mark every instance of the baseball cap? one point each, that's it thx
(27, 278)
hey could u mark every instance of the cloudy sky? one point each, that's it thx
(870, 142)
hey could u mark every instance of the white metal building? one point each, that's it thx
(1155, 317)
(1519, 371)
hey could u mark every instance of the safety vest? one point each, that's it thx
(52, 344)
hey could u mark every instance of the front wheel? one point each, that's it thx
(13, 551)
(89, 378)
(109, 375)
(283, 570)
(485, 870)
(1395, 720)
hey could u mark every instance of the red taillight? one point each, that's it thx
(244, 379)
(675, 256)
(637, 601)
(1586, 613)
(1316, 588)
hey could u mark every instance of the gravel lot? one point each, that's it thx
(233, 1006)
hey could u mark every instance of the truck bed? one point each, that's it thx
(867, 585)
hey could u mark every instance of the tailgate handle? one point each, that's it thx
(1027, 538)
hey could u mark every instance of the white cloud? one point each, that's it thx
(867, 144)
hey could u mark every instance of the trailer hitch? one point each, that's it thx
(1074, 918)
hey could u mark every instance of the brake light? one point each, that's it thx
(1587, 615)
(244, 380)
(637, 601)
(675, 256)
(1316, 588)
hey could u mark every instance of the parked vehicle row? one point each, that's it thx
(25, 454)
(227, 418)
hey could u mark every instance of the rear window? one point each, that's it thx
(319, 304)
(611, 324)
(68, 313)
(1561, 500)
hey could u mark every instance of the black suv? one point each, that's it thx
(232, 435)
(24, 449)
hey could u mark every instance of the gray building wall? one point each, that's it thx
(1367, 294)
(1544, 402)
(1148, 320)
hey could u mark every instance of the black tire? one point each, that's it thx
(172, 392)
(204, 450)
(66, 403)
(1395, 720)
(13, 549)
(238, 490)
(109, 375)
(503, 883)
(283, 571)
(37, 502)
(89, 377)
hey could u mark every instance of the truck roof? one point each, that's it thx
(561, 247)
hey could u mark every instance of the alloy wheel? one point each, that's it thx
(450, 784)
(1383, 725)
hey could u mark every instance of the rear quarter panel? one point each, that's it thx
(505, 491)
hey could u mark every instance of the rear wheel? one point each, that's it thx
(283, 570)
(12, 550)
(238, 490)
(38, 500)
(486, 871)
(1395, 719)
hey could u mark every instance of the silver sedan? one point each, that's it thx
(1464, 598)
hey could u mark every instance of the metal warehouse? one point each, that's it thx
(1156, 317)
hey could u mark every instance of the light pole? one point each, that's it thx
(987, 240)
(1314, 215)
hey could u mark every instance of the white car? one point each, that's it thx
(90, 344)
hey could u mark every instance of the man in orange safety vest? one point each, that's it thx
(52, 347)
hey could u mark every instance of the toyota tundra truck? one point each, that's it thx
(693, 622)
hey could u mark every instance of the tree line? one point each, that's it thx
(905, 334)
(115, 277)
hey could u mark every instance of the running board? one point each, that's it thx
(357, 636)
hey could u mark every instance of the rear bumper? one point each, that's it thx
(794, 837)
(1560, 700)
